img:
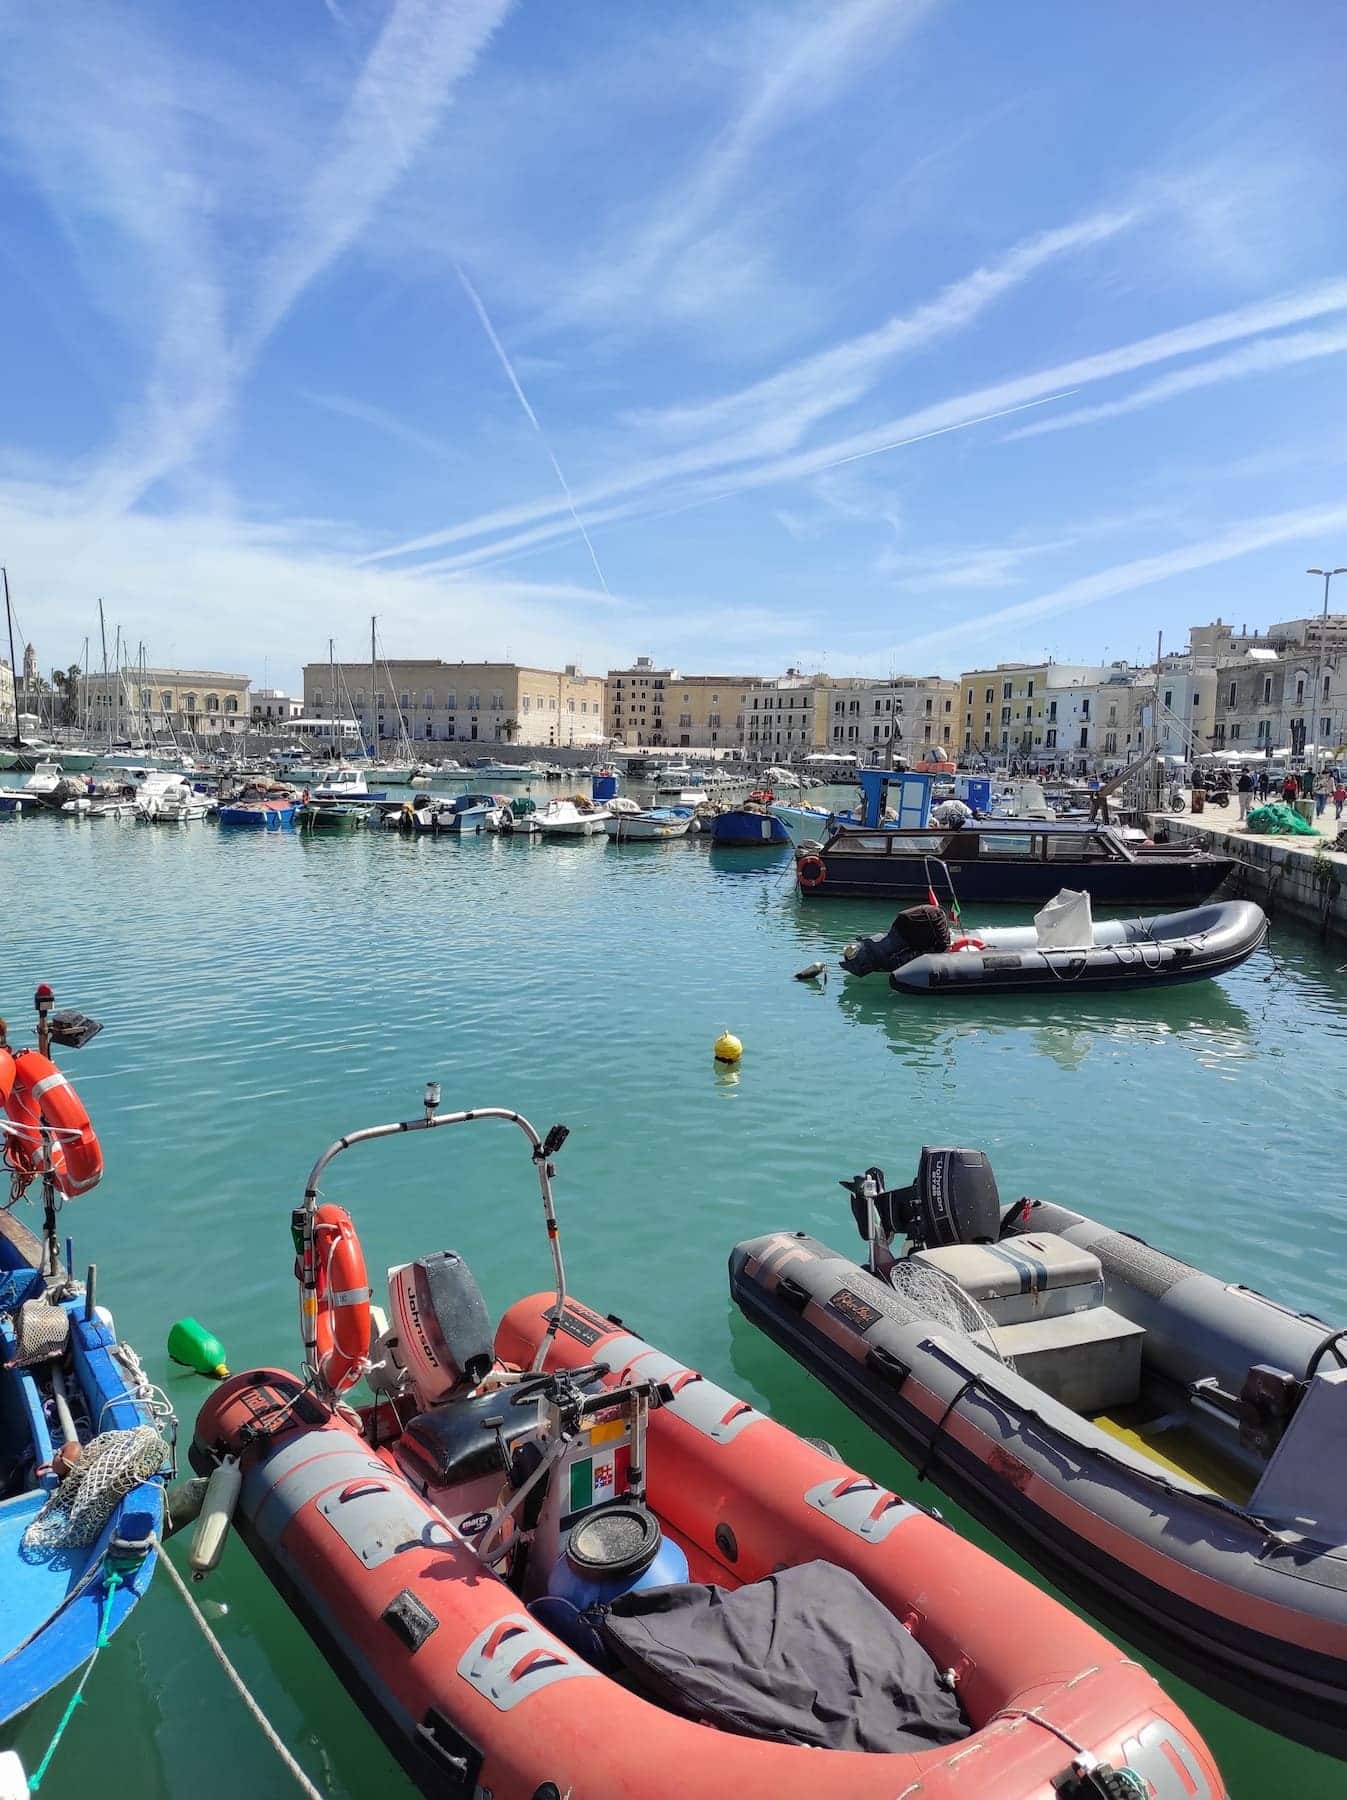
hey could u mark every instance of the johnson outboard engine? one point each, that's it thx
(954, 1200)
(438, 1338)
(919, 931)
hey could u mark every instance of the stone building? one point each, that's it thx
(144, 703)
(432, 701)
(644, 705)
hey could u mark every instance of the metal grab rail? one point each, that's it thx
(542, 1150)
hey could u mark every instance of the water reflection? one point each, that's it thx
(1202, 1016)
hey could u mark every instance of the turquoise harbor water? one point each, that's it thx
(263, 994)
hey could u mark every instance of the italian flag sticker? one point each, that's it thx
(597, 1478)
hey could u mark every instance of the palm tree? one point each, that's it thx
(65, 683)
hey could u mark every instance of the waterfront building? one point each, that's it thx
(428, 700)
(644, 705)
(274, 707)
(911, 713)
(1044, 709)
(7, 703)
(141, 704)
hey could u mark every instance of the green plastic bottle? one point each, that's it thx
(190, 1344)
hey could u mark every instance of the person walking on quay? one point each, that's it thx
(1339, 795)
(1244, 788)
(1264, 784)
(1290, 788)
(1323, 787)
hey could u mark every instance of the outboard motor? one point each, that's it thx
(954, 1200)
(918, 931)
(439, 1332)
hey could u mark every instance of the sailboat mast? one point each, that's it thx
(107, 689)
(332, 697)
(373, 709)
(13, 668)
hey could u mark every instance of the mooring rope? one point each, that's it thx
(218, 1651)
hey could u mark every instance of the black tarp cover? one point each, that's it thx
(805, 1656)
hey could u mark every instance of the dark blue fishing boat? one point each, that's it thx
(260, 806)
(1027, 866)
(751, 825)
(82, 1459)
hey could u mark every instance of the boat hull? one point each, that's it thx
(1163, 951)
(748, 830)
(488, 1701)
(258, 818)
(61, 1637)
(1260, 1623)
(1151, 880)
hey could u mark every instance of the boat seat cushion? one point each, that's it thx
(804, 1656)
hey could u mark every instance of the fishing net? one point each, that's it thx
(927, 1293)
(110, 1467)
(1277, 819)
(41, 1331)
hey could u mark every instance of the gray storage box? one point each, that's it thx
(1037, 1276)
(1090, 1361)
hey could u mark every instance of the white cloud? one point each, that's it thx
(707, 470)
(798, 62)
(1264, 356)
(1308, 525)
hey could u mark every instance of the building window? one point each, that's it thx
(146, 697)
(1234, 731)
(1234, 689)
(991, 695)
(405, 700)
(1325, 726)
(427, 700)
(231, 703)
(1169, 698)
(949, 706)
(1085, 707)
(189, 703)
(1005, 690)
(317, 698)
(165, 702)
(474, 702)
(1267, 690)
(1029, 691)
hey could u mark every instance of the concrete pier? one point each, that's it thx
(1298, 877)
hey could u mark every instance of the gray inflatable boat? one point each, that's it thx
(916, 952)
(1171, 1449)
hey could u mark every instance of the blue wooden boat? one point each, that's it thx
(259, 808)
(74, 1556)
(749, 827)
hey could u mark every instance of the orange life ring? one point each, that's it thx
(41, 1095)
(811, 872)
(968, 943)
(342, 1293)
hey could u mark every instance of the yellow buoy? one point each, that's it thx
(728, 1048)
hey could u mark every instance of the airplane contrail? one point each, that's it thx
(532, 418)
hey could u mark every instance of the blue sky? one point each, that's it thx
(865, 334)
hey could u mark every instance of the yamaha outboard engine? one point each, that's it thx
(918, 931)
(954, 1200)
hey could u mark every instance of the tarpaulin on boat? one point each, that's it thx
(805, 1656)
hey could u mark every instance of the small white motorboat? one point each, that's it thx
(628, 823)
(571, 818)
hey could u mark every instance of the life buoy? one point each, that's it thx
(342, 1294)
(811, 872)
(968, 943)
(40, 1095)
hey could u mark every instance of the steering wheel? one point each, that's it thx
(550, 1379)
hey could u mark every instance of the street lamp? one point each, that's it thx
(1328, 575)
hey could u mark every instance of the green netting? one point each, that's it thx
(1277, 819)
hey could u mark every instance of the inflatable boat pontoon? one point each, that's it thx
(921, 956)
(554, 1561)
(1170, 1448)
